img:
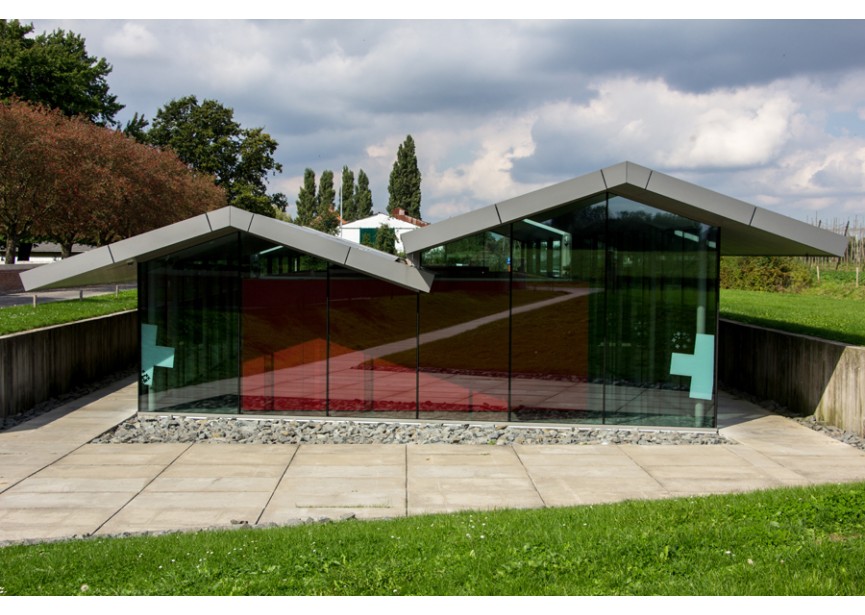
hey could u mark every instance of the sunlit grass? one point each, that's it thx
(829, 317)
(795, 541)
(26, 317)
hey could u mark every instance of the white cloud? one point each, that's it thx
(133, 40)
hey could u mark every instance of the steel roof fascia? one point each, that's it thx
(339, 251)
(156, 241)
(637, 175)
(451, 229)
(715, 204)
(56, 274)
(615, 175)
(303, 239)
(821, 240)
(551, 197)
(242, 219)
(391, 270)
(219, 218)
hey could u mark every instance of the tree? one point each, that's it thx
(346, 191)
(70, 181)
(55, 70)
(306, 201)
(327, 221)
(385, 239)
(326, 192)
(206, 137)
(404, 186)
(363, 197)
(136, 128)
(25, 151)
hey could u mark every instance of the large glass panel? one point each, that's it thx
(661, 303)
(369, 320)
(284, 330)
(558, 276)
(189, 315)
(464, 321)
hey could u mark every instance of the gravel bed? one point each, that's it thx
(301, 431)
(833, 432)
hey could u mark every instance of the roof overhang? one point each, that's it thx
(116, 262)
(746, 230)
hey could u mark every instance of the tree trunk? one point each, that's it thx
(11, 244)
(65, 249)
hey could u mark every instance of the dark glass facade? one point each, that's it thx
(600, 311)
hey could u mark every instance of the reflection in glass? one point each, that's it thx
(599, 311)
(188, 307)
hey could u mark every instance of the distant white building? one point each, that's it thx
(364, 231)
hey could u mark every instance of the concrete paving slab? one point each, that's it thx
(452, 494)
(233, 455)
(53, 483)
(576, 491)
(124, 454)
(190, 470)
(367, 498)
(208, 484)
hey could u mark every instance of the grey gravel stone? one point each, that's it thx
(294, 431)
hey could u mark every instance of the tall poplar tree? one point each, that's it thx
(306, 200)
(404, 186)
(326, 192)
(349, 213)
(363, 197)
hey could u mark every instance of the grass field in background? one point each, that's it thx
(25, 317)
(826, 316)
(794, 541)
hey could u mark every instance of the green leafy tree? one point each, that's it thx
(206, 137)
(385, 239)
(363, 197)
(55, 70)
(404, 185)
(327, 221)
(346, 191)
(136, 128)
(326, 192)
(306, 201)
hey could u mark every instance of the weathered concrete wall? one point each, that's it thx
(37, 365)
(806, 374)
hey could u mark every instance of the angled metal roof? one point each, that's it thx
(116, 262)
(745, 229)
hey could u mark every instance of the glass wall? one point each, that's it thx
(189, 306)
(610, 318)
(371, 320)
(464, 323)
(599, 311)
(284, 330)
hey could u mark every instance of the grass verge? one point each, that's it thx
(794, 541)
(829, 317)
(25, 317)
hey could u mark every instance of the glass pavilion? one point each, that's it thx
(591, 301)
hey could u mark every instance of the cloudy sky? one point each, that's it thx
(771, 112)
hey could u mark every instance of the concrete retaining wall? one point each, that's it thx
(806, 374)
(38, 365)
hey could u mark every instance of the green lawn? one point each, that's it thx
(827, 316)
(26, 317)
(795, 541)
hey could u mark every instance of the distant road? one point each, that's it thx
(47, 296)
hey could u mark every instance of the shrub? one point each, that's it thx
(765, 273)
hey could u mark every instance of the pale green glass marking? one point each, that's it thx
(152, 355)
(700, 366)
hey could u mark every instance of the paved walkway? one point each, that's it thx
(54, 485)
